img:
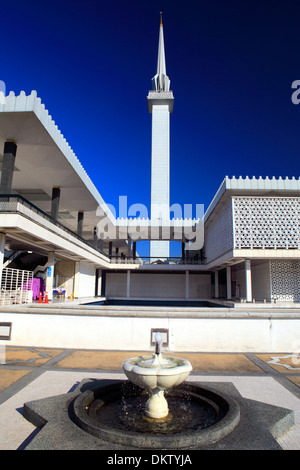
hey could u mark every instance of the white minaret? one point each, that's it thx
(160, 104)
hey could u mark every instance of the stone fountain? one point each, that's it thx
(156, 374)
(154, 409)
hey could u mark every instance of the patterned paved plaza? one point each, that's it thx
(34, 373)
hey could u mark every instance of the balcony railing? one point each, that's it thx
(17, 204)
(147, 260)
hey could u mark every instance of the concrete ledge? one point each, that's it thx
(189, 330)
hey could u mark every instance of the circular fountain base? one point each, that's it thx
(115, 413)
(60, 420)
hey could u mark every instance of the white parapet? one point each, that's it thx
(207, 330)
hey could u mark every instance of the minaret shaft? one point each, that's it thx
(160, 104)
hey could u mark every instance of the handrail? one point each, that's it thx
(113, 258)
(171, 260)
(44, 214)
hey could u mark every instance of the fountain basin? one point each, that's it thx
(156, 371)
(208, 416)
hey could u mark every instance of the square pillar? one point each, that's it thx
(50, 275)
(228, 282)
(187, 285)
(128, 247)
(55, 202)
(110, 247)
(8, 164)
(248, 280)
(80, 216)
(2, 248)
(216, 284)
(134, 250)
(98, 282)
(76, 279)
(128, 283)
(95, 237)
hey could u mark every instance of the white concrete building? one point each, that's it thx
(252, 234)
(49, 223)
(237, 289)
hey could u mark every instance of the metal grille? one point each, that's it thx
(16, 286)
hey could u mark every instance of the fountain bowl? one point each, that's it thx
(162, 372)
(156, 373)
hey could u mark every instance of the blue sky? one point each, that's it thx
(231, 65)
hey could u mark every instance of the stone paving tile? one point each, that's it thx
(295, 380)
(284, 363)
(15, 429)
(9, 376)
(204, 363)
(252, 381)
(29, 356)
(221, 363)
(267, 390)
(104, 360)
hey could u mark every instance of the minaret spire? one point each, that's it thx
(161, 81)
(160, 104)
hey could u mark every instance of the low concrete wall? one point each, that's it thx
(190, 330)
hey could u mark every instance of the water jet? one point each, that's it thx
(156, 374)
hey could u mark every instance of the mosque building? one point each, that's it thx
(52, 239)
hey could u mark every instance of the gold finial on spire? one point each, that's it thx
(161, 18)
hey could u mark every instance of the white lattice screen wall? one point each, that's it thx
(266, 222)
(285, 280)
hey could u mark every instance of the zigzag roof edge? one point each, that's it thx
(253, 184)
(32, 102)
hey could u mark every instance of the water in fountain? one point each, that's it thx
(186, 412)
(123, 412)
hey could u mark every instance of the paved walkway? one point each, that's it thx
(34, 373)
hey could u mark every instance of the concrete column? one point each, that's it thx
(76, 279)
(80, 217)
(95, 237)
(128, 247)
(128, 284)
(2, 249)
(228, 282)
(248, 280)
(55, 202)
(134, 250)
(216, 284)
(98, 282)
(50, 275)
(182, 250)
(8, 164)
(187, 285)
(103, 283)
